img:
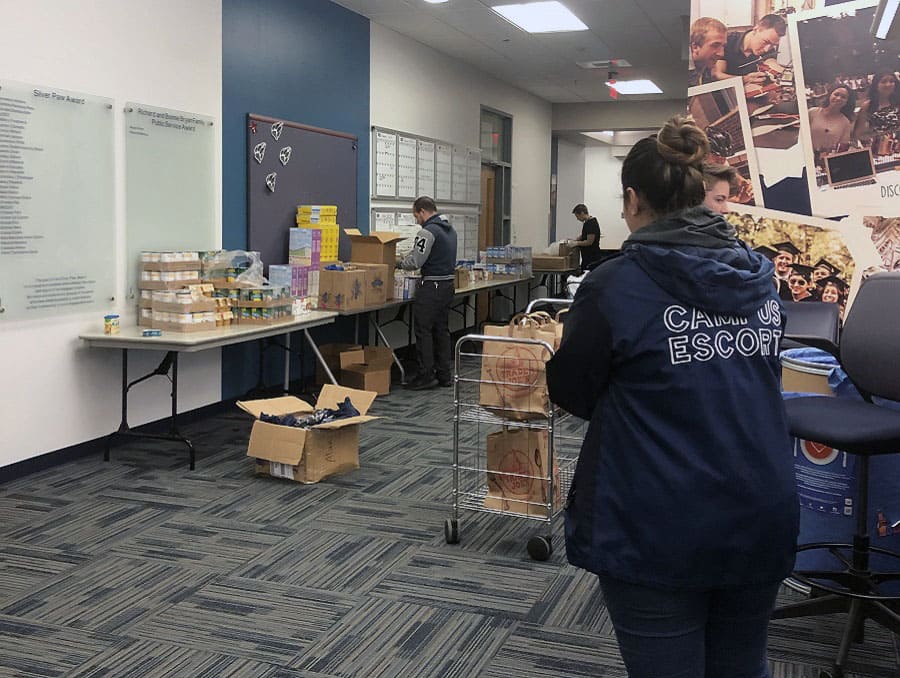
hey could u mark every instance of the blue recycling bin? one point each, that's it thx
(826, 478)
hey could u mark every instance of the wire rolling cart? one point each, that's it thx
(514, 453)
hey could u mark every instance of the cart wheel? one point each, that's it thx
(836, 672)
(451, 531)
(540, 548)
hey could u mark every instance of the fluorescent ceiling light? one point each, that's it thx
(541, 17)
(436, 2)
(635, 87)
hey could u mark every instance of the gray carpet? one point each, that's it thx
(139, 567)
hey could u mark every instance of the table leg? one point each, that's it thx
(287, 362)
(319, 357)
(169, 362)
(380, 334)
(123, 422)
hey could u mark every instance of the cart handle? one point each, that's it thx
(505, 340)
(559, 302)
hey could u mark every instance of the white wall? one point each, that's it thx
(569, 188)
(164, 53)
(419, 90)
(616, 115)
(603, 194)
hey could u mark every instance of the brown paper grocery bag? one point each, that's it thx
(517, 472)
(513, 378)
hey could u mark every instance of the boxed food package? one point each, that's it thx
(293, 276)
(405, 284)
(181, 310)
(379, 247)
(316, 214)
(463, 277)
(307, 455)
(304, 247)
(367, 369)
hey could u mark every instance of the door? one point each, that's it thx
(486, 232)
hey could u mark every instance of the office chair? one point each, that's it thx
(812, 323)
(868, 354)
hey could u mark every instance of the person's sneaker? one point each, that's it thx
(421, 383)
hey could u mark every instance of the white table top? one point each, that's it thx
(191, 342)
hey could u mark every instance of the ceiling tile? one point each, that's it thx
(370, 7)
(645, 32)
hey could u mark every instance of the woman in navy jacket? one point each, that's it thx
(684, 499)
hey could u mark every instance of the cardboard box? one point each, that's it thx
(379, 247)
(331, 354)
(342, 290)
(367, 369)
(379, 283)
(547, 263)
(307, 455)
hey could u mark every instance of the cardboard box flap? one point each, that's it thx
(331, 395)
(281, 444)
(276, 406)
(354, 357)
(349, 421)
(381, 237)
(378, 356)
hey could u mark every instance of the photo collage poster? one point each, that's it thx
(805, 72)
(850, 111)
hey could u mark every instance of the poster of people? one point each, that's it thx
(748, 39)
(720, 110)
(885, 234)
(815, 259)
(850, 108)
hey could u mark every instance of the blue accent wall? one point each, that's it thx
(301, 60)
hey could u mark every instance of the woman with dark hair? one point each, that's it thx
(683, 500)
(880, 113)
(834, 290)
(831, 123)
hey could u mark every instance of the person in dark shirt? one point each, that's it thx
(434, 252)
(744, 51)
(589, 243)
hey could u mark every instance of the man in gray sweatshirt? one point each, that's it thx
(434, 251)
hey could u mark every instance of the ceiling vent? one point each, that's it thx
(605, 64)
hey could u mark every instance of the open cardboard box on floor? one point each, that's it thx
(307, 455)
(368, 369)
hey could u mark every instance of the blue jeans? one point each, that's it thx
(691, 634)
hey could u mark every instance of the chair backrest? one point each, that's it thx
(813, 323)
(871, 337)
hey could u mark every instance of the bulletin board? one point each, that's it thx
(290, 164)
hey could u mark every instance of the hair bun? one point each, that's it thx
(682, 142)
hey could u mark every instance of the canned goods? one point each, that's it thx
(111, 324)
